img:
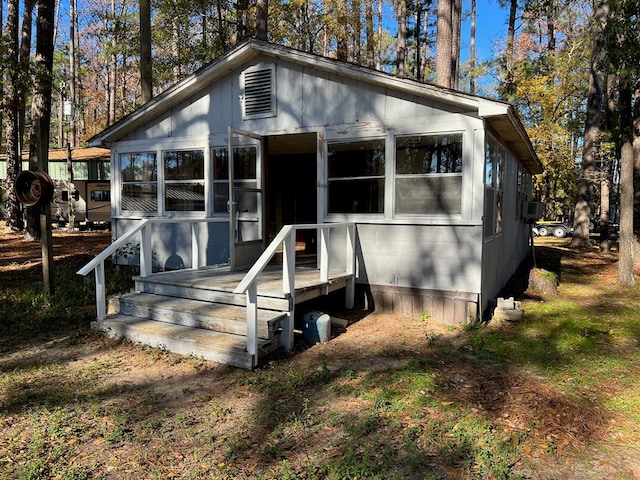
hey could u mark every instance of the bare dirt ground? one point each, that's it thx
(512, 398)
(21, 259)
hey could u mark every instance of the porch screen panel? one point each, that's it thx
(247, 195)
(139, 176)
(500, 165)
(184, 180)
(220, 179)
(490, 181)
(429, 174)
(356, 177)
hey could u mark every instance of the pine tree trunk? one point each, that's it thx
(625, 259)
(14, 220)
(510, 88)
(242, 6)
(379, 42)
(472, 50)
(113, 70)
(368, 11)
(25, 61)
(582, 213)
(551, 25)
(605, 192)
(41, 123)
(146, 70)
(444, 43)
(342, 49)
(355, 21)
(262, 17)
(636, 163)
(402, 38)
(73, 94)
(456, 27)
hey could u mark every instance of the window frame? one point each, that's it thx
(217, 182)
(435, 175)
(489, 187)
(186, 181)
(122, 182)
(381, 176)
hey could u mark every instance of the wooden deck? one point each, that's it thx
(196, 312)
(308, 284)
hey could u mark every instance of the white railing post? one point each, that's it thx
(195, 247)
(146, 266)
(252, 322)
(324, 254)
(288, 287)
(350, 266)
(289, 263)
(101, 295)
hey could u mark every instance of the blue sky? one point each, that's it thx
(491, 28)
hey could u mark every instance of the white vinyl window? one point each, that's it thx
(493, 187)
(356, 177)
(184, 180)
(139, 182)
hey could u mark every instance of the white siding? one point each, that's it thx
(443, 257)
(505, 252)
(174, 240)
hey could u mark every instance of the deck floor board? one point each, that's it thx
(223, 279)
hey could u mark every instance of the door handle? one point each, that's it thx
(229, 203)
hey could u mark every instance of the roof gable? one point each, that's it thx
(499, 115)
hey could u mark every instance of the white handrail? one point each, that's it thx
(111, 249)
(248, 285)
(286, 238)
(97, 264)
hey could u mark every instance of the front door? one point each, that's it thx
(246, 210)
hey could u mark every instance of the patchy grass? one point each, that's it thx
(556, 395)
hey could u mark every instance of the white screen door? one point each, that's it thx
(245, 198)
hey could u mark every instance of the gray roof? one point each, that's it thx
(500, 116)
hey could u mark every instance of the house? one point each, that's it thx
(435, 182)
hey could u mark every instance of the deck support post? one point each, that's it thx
(195, 248)
(350, 267)
(324, 254)
(252, 323)
(146, 266)
(288, 287)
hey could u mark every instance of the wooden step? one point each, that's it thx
(195, 313)
(160, 286)
(218, 347)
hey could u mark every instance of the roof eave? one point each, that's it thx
(504, 120)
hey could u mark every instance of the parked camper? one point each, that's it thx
(90, 201)
(90, 189)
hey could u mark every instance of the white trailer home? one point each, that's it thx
(90, 185)
(417, 194)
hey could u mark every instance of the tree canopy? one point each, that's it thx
(542, 66)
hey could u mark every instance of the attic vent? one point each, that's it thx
(258, 85)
